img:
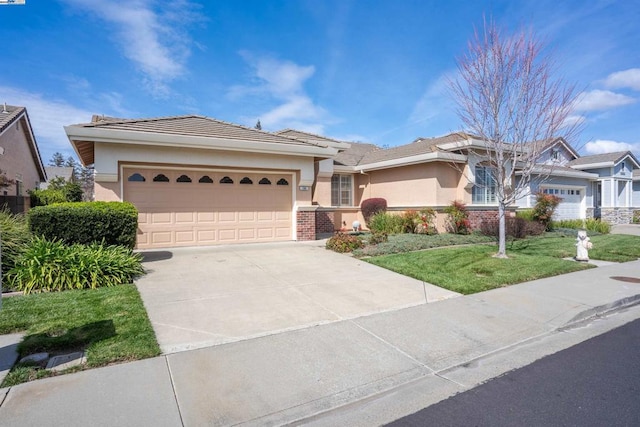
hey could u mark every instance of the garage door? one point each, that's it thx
(571, 205)
(191, 208)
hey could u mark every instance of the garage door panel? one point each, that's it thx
(193, 213)
(228, 235)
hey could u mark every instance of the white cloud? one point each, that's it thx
(282, 82)
(433, 101)
(48, 117)
(154, 42)
(624, 79)
(602, 146)
(601, 100)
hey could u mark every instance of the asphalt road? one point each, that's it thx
(595, 383)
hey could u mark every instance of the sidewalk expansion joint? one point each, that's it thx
(173, 389)
(5, 396)
(396, 348)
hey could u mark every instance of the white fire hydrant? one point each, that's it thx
(583, 244)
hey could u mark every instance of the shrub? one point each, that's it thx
(50, 265)
(342, 242)
(59, 191)
(525, 214)
(384, 222)
(589, 224)
(370, 207)
(410, 219)
(457, 218)
(517, 228)
(113, 223)
(15, 236)
(636, 217)
(378, 237)
(546, 204)
(426, 222)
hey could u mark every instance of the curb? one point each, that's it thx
(603, 310)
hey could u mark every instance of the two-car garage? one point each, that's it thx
(191, 207)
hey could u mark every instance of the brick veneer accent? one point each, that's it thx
(306, 225)
(325, 222)
(478, 217)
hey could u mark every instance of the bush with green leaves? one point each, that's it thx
(14, 238)
(343, 242)
(636, 216)
(426, 222)
(385, 222)
(546, 205)
(370, 207)
(111, 223)
(58, 191)
(458, 218)
(526, 214)
(50, 265)
(589, 224)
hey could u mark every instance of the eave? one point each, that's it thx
(437, 156)
(83, 140)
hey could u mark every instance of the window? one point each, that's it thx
(484, 192)
(555, 155)
(136, 177)
(341, 190)
(282, 181)
(183, 178)
(246, 180)
(160, 178)
(226, 180)
(264, 181)
(206, 179)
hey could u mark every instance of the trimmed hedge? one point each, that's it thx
(109, 223)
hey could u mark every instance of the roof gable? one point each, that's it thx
(603, 160)
(9, 116)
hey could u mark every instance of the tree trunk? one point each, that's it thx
(502, 234)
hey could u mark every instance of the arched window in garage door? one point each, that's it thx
(160, 178)
(136, 177)
(183, 178)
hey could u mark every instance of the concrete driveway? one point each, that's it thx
(199, 297)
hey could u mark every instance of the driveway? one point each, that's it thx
(199, 297)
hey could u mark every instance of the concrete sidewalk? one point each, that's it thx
(360, 371)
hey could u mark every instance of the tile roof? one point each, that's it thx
(8, 114)
(419, 146)
(348, 157)
(599, 158)
(193, 125)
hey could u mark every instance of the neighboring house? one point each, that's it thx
(56, 172)
(20, 159)
(201, 181)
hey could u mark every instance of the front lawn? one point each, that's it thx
(110, 324)
(473, 269)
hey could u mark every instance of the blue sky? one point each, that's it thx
(364, 70)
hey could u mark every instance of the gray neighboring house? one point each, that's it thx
(54, 172)
(605, 186)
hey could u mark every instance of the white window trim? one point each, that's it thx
(351, 195)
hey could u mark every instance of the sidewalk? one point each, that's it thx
(424, 353)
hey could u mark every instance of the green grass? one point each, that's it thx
(473, 269)
(111, 324)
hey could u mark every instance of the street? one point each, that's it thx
(594, 383)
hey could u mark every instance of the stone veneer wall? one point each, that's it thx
(306, 225)
(617, 215)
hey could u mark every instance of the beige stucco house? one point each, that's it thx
(20, 159)
(200, 181)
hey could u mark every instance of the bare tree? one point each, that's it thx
(506, 95)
